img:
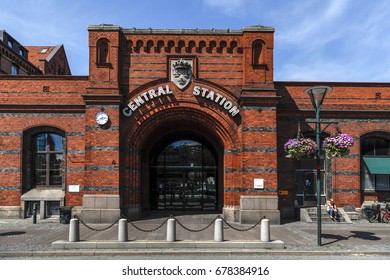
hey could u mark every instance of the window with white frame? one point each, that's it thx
(48, 159)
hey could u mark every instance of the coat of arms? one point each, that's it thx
(181, 72)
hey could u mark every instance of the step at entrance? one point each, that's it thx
(310, 215)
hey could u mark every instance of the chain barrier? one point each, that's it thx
(96, 229)
(241, 229)
(194, 230)
(171, 217)
(147, 230)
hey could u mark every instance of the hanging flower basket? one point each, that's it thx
(337, 145)
(300, 147)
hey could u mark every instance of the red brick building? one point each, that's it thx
(178, 120)
(50, 59)
(16, 59)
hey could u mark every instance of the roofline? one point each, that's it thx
(53, 52)
(21, 57)
(111, 27)
(43, 77)
(330, 83)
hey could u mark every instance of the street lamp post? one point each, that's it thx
(317, 95)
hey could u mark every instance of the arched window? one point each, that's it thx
(258, 51)
(212, 47)
(149, 46)
(180, 47)
(160, 46)
(48, 156)
(102, 51)
(375, 164)
(222, 47)
(43, 158)
(191, 46)
(202, 46)
(233, 46)
(170, 46)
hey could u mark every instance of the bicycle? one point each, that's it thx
(385, 213)
(372, 213)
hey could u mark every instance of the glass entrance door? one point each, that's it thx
(307, 187)
(183, 177)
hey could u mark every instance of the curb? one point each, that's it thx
(199, 251)
(150, 244)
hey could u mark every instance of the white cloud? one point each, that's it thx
(341, 40)
(344, 43)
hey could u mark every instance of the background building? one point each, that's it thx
(16, 59)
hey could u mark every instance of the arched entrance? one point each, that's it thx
(179, 121)
(183, 174)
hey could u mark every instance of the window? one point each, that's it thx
(48, 159)
(10, 44)
(52, 208)
(258, 50)
(14, 69)
(375, 164)
(102, 52)
(44, 50)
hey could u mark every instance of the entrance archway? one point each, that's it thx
(183, 174)
(148, 135)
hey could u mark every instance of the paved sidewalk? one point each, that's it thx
(23, 238)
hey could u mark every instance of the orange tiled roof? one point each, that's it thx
(36, 54)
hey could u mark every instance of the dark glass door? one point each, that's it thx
(183, 177)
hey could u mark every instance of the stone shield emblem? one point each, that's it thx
(181, 72)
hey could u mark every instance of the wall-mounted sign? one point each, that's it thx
(197, 91)
(283, 192)
(73, 188)
(259, 183)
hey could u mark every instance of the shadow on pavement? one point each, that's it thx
(365, 235)
(10, 233)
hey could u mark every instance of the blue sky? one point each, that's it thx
(315, 40)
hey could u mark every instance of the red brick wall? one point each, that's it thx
(32, 101)
(358, 108)
(249, 145)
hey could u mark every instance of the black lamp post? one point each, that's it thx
(317, 95)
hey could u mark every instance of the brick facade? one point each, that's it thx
(232, 103)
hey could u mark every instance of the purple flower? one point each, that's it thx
(299, 147)
(337, 145)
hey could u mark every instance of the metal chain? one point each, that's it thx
(195, 230)
(240, 229)
(95, 229)
(147, 230)
(160, 226)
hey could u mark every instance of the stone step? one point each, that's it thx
(312, 216)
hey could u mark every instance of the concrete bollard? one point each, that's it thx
(218, 230)
(122, 231)
(265, 231)
(171, 230)
(74, 230)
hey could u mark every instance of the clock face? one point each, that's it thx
(101, 118)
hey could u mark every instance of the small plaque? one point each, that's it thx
(259, 183)
(283, 192)
(74, 188)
